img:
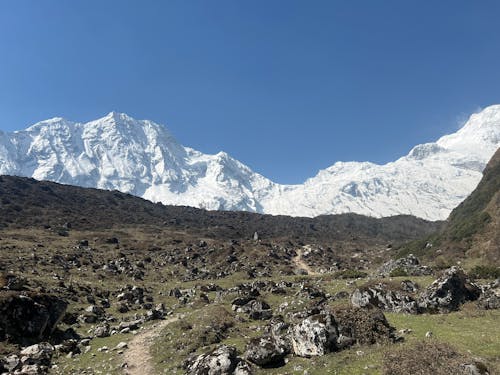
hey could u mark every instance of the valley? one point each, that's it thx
(129, 286)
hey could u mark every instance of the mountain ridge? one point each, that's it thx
(143, 158)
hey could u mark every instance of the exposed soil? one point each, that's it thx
(138, 357)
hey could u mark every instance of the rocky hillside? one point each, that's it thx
(26, 202)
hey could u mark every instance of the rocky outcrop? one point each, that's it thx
(448, 292)
(255, 309)
(490, 298)
(265, 351)
(314, 336)
(28, 318)
(407, 266)
(384, 297)
(32, 360)
(222, 360)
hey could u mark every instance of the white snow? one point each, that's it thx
(142, 158)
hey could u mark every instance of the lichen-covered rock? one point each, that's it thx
(222, 360)
(448, 292)
(255, 309)
(381, 296)
(38, 354)
(490, 296)
(265, 351)
(410, 265)
(314, 336)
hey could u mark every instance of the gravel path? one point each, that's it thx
(137, 356)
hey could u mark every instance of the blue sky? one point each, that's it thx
(287, 87)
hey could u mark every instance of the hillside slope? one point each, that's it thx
(475, 224)
(26, 202)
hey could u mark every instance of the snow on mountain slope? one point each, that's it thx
(429, 182)
(142, 158)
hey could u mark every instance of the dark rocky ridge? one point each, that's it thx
(26, 202)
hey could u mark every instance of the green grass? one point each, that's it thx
(108, 362)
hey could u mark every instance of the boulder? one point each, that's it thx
(222, 360)
(25, 318)
(255, 309)
(409, 265)
(102, 330)
(448, 292)
(490, 297)
(38, 354)
(265, 351)
(314, 336)
(11, 363)
(385, 298)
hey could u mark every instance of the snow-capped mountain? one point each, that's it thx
(142, 158)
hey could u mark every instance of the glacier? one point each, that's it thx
(142, 158)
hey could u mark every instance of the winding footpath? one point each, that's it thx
(300, 264)
(138, 357)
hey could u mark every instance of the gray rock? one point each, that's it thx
(31, 370)
(490, 296)
(265, 351)
(222, 360)
(255, 309)
(102, 331)
(38, 354)
(448, 292)
(475, 368)
(11, 362)
(314, 336)
(409, 264)
(29, 317)
(385, 299)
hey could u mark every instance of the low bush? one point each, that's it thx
(424, 358)
(485, 272)
(397, 272)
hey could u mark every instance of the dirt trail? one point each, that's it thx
(137, 356)
(300, 264)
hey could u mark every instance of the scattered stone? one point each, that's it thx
(102, 331)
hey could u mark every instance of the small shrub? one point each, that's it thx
(397, 272)
(485, 272)
(424, 358)
(350, 274)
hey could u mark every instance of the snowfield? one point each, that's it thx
(142, 158)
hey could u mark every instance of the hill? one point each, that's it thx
(26, 202)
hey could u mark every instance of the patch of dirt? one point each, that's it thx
(301, 265)
(138, 358)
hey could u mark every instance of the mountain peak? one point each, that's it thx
(142, 158)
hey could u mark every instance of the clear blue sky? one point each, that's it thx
(287, 87)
